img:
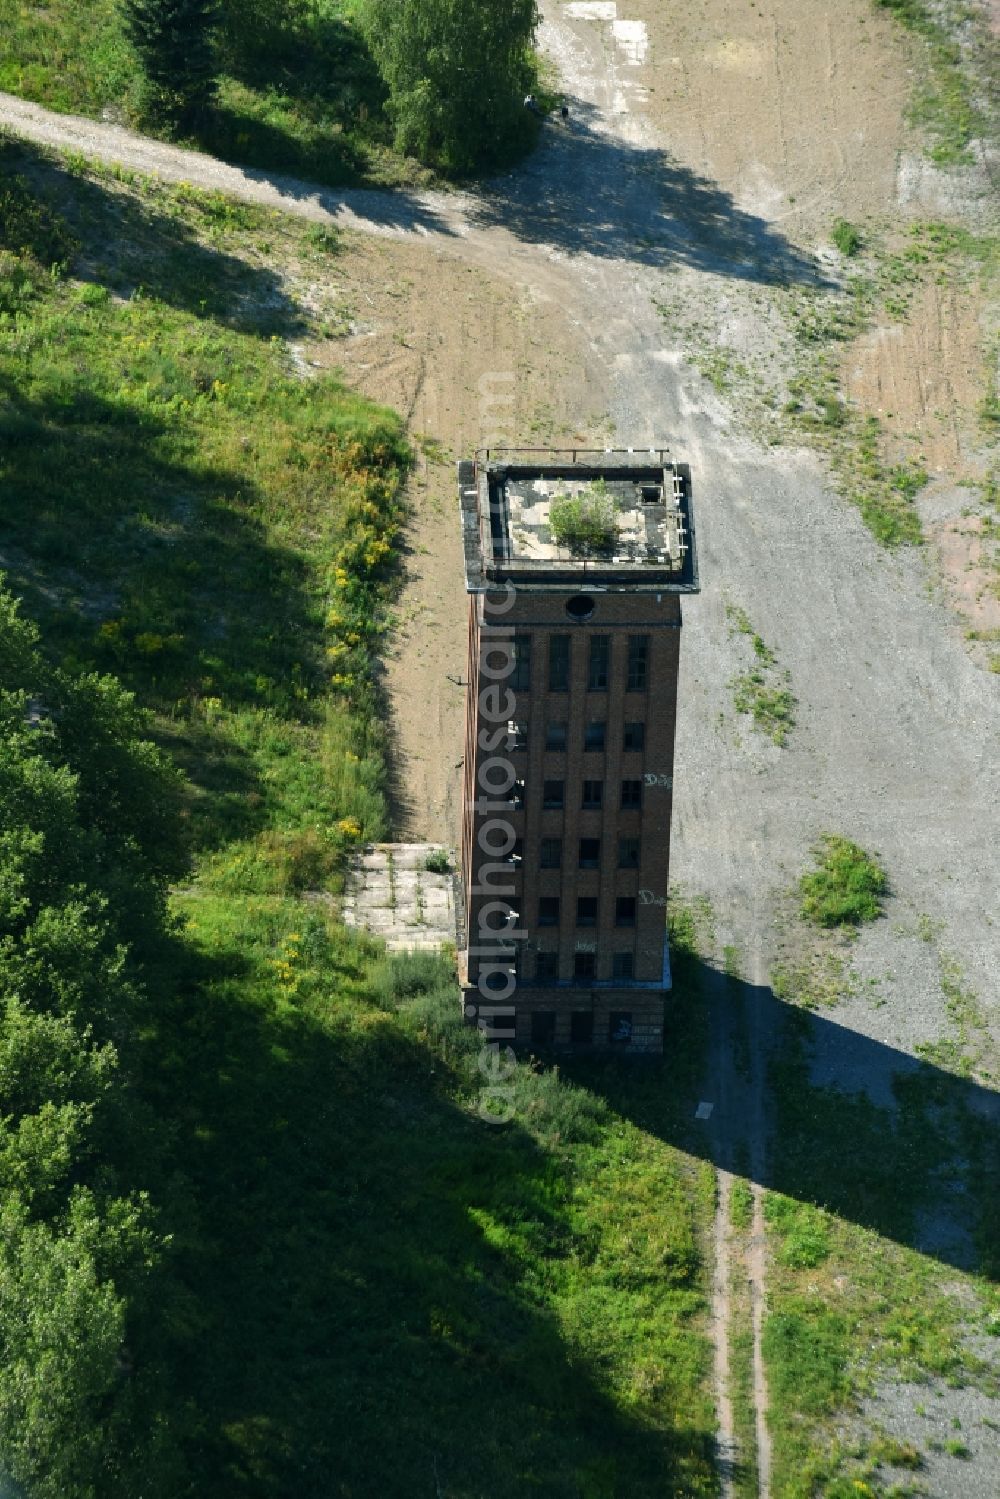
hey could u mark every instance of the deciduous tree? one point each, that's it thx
(457, 72)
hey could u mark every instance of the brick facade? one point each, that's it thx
(567, 797)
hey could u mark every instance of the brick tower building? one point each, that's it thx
(575, 564)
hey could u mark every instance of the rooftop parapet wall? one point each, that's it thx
(510, 508)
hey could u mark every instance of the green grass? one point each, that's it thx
(762, 692)
(851, 1301)
(298, 90)
(365, 1278)
(740, 1204)
(847, 886)
(945, 103)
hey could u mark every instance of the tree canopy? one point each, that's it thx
(457, 73)
(174, 44)
(87, 840)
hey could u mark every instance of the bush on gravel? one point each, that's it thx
(846, 887)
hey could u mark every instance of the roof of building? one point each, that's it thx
(615, 519)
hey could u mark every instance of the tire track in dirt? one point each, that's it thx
(738, 1131)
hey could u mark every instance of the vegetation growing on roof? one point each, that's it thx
(585, 521)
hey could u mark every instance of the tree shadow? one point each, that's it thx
(321, 68)
(588, 192)
(143, 246)
(140, 564)
(892, 1143)
(396, 211)
(348, 1298)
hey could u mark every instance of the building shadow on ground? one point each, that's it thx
(895, 1144)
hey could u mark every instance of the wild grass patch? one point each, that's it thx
(945, 104)
(762, 692)
(846, 888)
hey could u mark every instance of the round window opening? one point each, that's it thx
(581, 606)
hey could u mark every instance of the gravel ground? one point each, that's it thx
(931, 1415)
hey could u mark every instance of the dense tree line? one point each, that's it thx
(88, 839)
(456, 71)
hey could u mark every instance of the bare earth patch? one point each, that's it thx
(469, 358)
(794, 107)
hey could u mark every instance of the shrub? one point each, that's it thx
(438, 862)
(586, 520)
(847, 886)
(846, 237)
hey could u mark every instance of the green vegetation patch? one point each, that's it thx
(762, 691)
(852, 1296)
(584, 521)
(846, 888)
(945, 103)
(847, 237)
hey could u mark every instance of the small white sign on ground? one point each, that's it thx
(592, 10)
(632, 39)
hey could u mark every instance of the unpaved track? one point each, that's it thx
(896, 732)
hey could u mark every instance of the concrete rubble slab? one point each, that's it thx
(392, 894)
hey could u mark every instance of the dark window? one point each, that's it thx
(548, 910)
(515, 794)
(638, 662)
(620, 1027)
(581, 1027)
(543, 1027)
(593, 794)
(590, 853)
(597, 674)
(499, 980)
(624, 910)
(520, 679)
(634, 737)
(580, 607)
(555, 736)
(517, 736)
(584, 965)
(517, 852)
(631, 794)
(552, 794)
(547, 966)
(558, 663)
(622, 965)
(628, 853)
(593, 736)
(586, 910)
(550, 853)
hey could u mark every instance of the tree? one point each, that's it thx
(86, 848)
(457, 72)
(174, 41)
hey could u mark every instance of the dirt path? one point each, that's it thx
(533, 307)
